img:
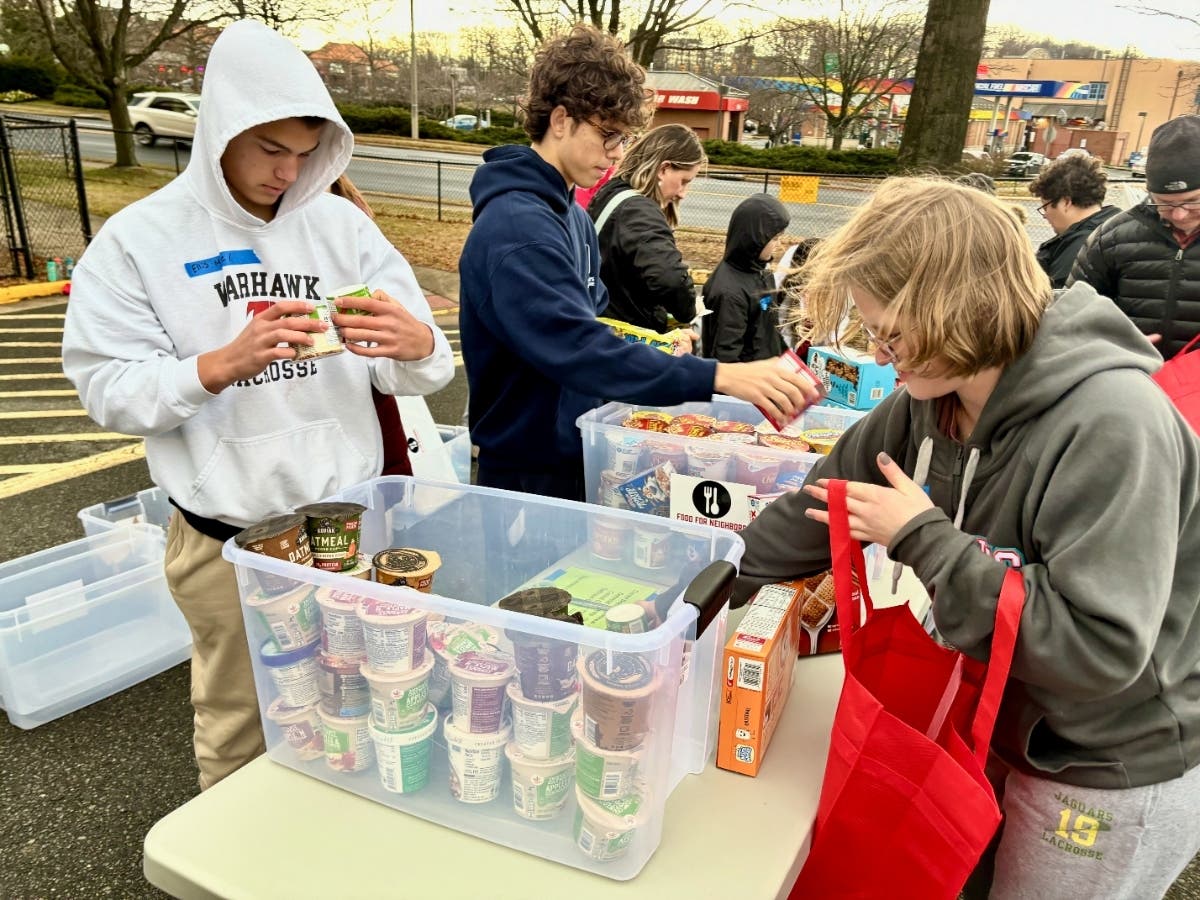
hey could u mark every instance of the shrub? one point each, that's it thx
(77, 95)
(802, 159)
(33, 76)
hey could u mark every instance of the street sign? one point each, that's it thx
(831, 63)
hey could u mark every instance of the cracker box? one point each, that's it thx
(758, 664)
(852, 378)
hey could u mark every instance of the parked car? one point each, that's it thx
(970, 154)
(1137, 163)
(1024, 163)
(462, 122)
(163, 115)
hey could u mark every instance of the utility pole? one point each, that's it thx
(412, 37)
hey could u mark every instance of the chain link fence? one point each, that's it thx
(42, 193)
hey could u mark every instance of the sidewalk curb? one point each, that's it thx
(18, 292)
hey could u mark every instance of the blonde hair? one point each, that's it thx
(675, 145)
(951, 264)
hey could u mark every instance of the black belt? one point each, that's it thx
(213, 528)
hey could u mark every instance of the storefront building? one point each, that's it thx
(710, 109)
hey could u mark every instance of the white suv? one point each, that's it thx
(155, 116)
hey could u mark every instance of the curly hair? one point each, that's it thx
(587, 72)
(675, 145)
(1077, 177)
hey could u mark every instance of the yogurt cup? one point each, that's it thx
(624, 453)
(760, 472)
(626, 618)
(710, 463)
(334, 531)
(447, 641)
(545, 666)
(407, 567)
(394, 635)
(402, 757)
(293, 619)
(294, 672)
(348, 746)
(541, 730)
(280, 537)
(341, 629)
(618, 697)
(344, 692)
(540, 787)
(604, 829)
(301, 727)
(650, 546)
(603, 774)
(398, 700)
(476, 761)
(477, 691)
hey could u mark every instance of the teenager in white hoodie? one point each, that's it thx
(181, 313)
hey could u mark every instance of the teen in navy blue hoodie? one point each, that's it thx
(530, 291)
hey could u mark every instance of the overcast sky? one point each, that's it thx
(1101, 22)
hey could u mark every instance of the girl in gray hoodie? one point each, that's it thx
(1049, 449)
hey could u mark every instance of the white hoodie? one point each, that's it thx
(179, 274)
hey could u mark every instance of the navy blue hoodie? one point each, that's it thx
(530, 292)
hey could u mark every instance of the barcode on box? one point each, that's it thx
(750, 673)
(744, 753)
(612, 785)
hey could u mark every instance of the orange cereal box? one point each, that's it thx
(758, 662)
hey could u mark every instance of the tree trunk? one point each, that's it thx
(118, 111)
(936, 127)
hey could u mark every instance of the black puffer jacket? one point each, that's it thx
(639, 262)
(1057, 255)
(744, 325)
(1134, 259)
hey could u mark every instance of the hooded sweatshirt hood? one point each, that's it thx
(518, 168)
(286, 85)
(751, 227)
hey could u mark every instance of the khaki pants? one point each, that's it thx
(228, 731)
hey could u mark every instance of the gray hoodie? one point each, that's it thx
(1082, 473)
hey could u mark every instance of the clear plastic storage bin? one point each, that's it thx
(555, 738)
(457, 442)
(150, 506)
(81, 621)
(724, 481)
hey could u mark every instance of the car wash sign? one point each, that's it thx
(1051, 89)
(708, 100)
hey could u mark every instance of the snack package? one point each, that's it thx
(673, 342)
(789, 361)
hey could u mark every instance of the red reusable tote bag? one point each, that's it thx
(906, 810)
(1180, 378)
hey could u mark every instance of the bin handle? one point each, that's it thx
(709, 591)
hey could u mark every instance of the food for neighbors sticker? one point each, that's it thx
(703, 501)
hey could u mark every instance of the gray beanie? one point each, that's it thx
(1173, 160)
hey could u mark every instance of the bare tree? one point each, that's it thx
(644, 25)
(938, 114)
(285, 15)
(846, 62)
(1161, 9)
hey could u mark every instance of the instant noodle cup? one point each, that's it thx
(709, 422)
(709, 461)
(280, 537)
(791, 442)
(446, 643)
(607, 536)
(603, 774)
(324, 343)
(760, 472)
(650, 546)
(398, 699)
(293, 619)
(624, 453)
(334, 530)
(686, 428)
(822, 439)
(348, 746)
(294, 672)
(540, 786)
(731, 427)
(733, 437)
(394, 635)
(647, 420)
(301, 727)
(402, 756)
(341, 629)
(541, 729)
(477, 690)
(604, 829)
(344, 692)
(618, 695)
(476, 761)
(407, 567)
(671, 451)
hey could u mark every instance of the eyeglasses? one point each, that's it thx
(883, 345)
(612, 139)
(1042, 209)
(1186, 206)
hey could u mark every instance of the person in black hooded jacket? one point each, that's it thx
(741, 294)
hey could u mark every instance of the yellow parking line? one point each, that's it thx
(27, 468)
(31, 330)
(14, 395)
(43, 414)
(32, 376)
(29, 344)
(8, 317)
(118, 456)
(30, 360)
(12, 439)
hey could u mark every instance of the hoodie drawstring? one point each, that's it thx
(968, 476)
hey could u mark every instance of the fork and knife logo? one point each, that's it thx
(711, 499)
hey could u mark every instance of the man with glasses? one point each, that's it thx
(1147, 259)
(530, 289)
(1072, 192)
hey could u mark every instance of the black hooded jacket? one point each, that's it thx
(741, 294)
(1057, 255)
